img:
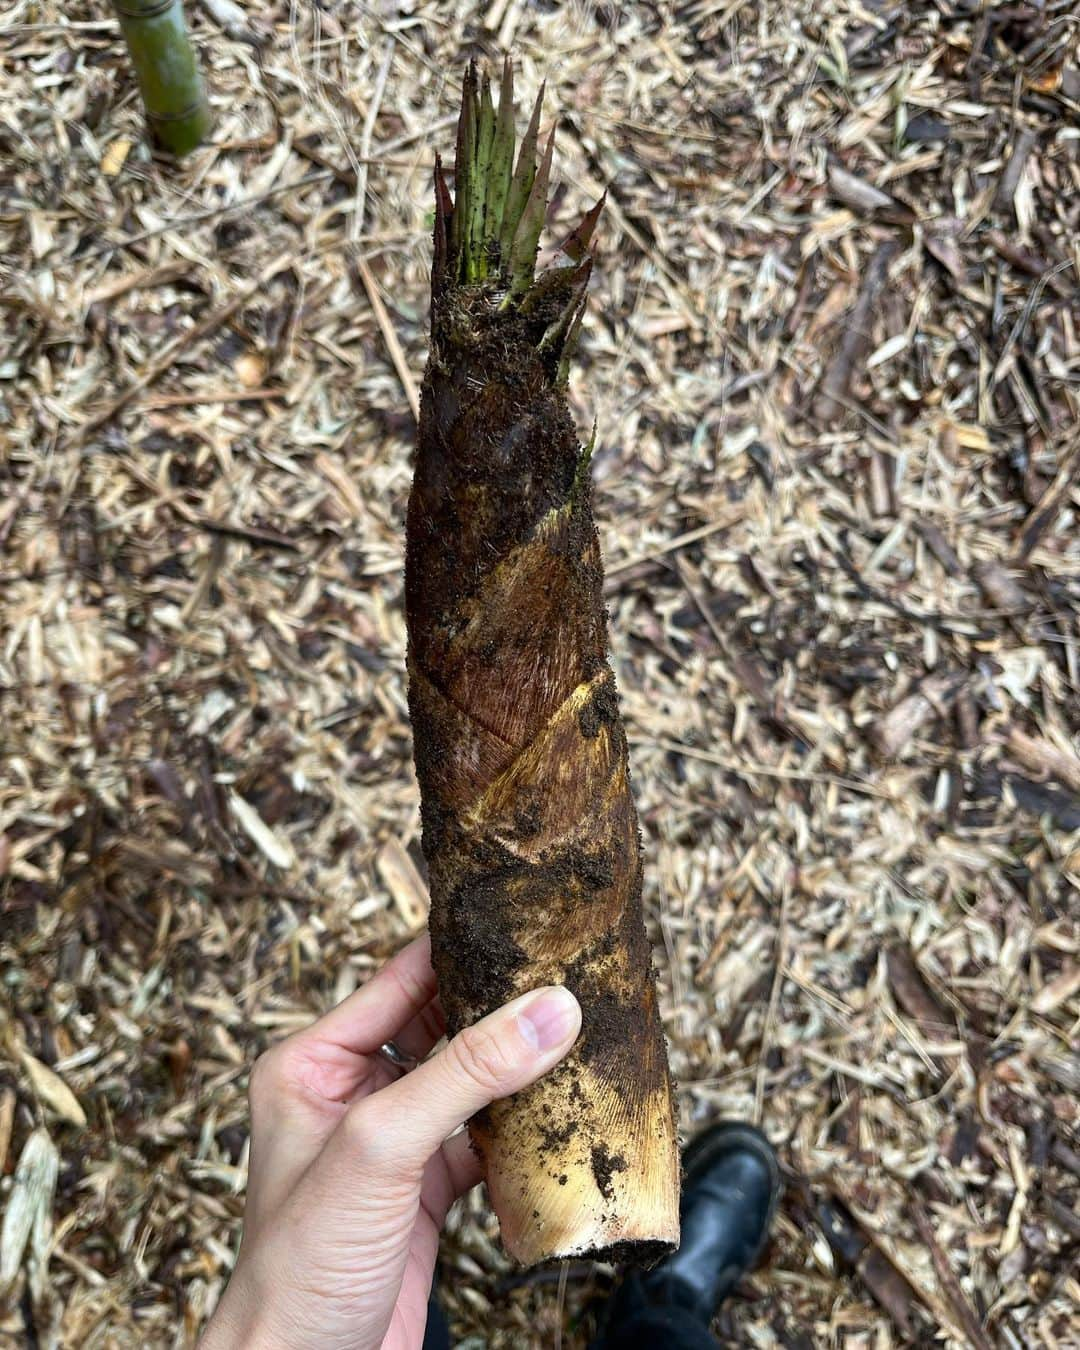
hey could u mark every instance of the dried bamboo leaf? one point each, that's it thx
(276, 849)
(28, 1214)
(405, 884)
(53, 1091)
(866, 198)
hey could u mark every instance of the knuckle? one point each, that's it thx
(355, 1127)
(360, 1128)
(263, 1080)
(363, 1127)
(370, 1136)
(270, 1075)
(412, 988)
(482, 1058)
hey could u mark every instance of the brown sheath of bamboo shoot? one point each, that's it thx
(529, 826)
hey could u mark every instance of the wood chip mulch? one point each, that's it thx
(834, 353)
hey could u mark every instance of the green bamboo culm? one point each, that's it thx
(167, 71)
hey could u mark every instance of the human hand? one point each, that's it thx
(352, 1171)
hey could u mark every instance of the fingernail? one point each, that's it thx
(550, 1018)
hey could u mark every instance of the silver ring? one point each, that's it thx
(397, 1057)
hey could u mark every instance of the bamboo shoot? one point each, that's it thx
(529, 827)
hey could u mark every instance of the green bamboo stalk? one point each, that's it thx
(168, 73)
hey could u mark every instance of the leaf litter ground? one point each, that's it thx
(833, 350)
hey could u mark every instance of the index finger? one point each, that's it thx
(379, 1009)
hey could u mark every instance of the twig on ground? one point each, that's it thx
(857, 335)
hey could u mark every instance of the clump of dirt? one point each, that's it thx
(528, 817)
(554, 1137)
(620, 1037)
(614, 1039)
(601, 709)
(594, 868)
(642, 1255)
(475, 952)
(604, 1167)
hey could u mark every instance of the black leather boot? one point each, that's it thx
(731, 1183)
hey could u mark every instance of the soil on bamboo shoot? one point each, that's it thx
(529, 826)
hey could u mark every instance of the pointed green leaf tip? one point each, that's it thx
(501, 166)
(490, 234)
(479, 174)
(522, 181)
(523, 246)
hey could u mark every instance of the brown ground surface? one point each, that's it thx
(834, 348)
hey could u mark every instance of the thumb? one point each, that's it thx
(495, 1057)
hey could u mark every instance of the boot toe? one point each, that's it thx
(730, 1189)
